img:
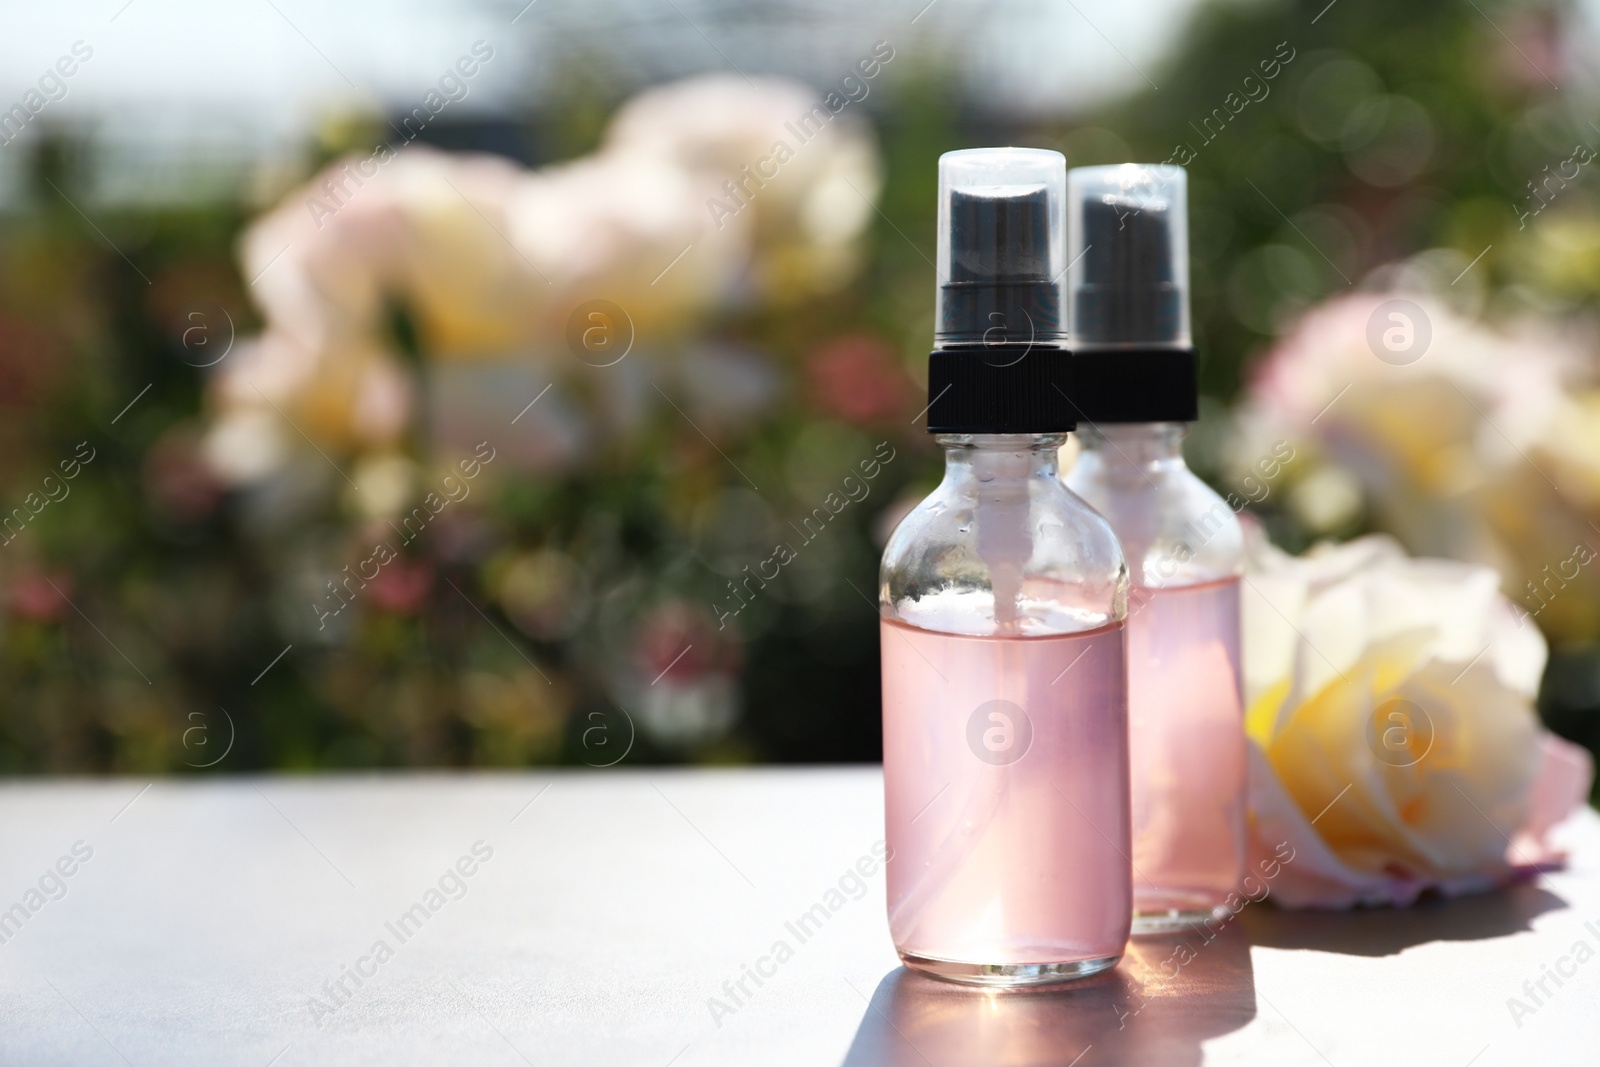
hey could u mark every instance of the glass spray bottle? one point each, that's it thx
(1003, 596)
(1134, 368)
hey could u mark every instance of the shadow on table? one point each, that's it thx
(1386, 931)
(1154, 1008)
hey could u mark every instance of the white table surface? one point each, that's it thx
(617, 903)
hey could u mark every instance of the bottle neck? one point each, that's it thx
(1136, 447)
(1001, 457)
(1002, 477)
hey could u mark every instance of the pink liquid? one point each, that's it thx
(1019, 855)
(1186, 731)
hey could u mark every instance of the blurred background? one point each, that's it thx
(435, 384)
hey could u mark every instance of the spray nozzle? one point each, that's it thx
(1128, 236)
(1000, 244)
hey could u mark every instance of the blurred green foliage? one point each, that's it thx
(142, 615)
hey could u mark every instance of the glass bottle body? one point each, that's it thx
(1185, 555)
(1005, 723)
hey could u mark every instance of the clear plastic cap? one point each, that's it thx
(1128, 243)
(1001, 238)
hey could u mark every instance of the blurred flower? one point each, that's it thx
(1326, 499)
(683, 678)
(542, 593)
(676, 644)
(518, 716)
(1535, 54)
(1395, 744)
(32, 596)
(387, 481)
(859, 378)
(809, 205)
(491, 261)
(354, 396)
(246, 446)
(401, 586)
(1458, 438)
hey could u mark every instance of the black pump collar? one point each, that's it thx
(1012, 387)
(1135, 385)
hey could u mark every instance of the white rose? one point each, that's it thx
(493, 260)
(1481, 444)
(1395, 746)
